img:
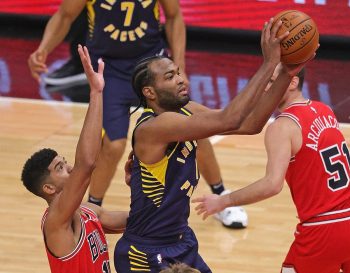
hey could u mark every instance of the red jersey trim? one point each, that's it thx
(329, 217)
(291, 116)
(76, 249)
(89, 210)
(308, 102)
(79, 245)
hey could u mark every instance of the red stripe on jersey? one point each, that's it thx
(329, 217)
(79, 245)
(294, 118)
(303, 103)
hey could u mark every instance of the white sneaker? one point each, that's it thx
(232, 217)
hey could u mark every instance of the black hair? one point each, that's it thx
(35, 170)
(143, 76)
(301, 76)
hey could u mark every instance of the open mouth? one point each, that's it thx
(183, 90)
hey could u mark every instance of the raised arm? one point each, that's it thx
(171, 126)
(55, 32)
(87, 149)
(269, 100)
(278, 143)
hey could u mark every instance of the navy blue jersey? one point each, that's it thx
(123, 29)
(160, 192)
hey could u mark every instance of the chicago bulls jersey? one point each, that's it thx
(90, 254)
(318, 175)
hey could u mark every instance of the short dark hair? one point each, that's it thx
(143, 76)
(35, 170)
(301, 76)
(179, 268)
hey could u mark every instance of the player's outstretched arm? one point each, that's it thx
(112, 221)
(269, 100)
(278, 143)
(88, 145)
(171, 126)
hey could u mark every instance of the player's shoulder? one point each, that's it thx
(282, 125)
(195, 107)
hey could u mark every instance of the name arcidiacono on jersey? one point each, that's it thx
(317, 127)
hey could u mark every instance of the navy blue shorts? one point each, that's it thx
(134, 254)
(118, 95)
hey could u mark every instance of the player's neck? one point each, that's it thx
(297, 98)
(159, 110)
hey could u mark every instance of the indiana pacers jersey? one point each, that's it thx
(319, 174)
(160, 192)
(123, 29)
(90, 254)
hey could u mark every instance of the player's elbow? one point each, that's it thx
(250, 130)
(252, 126)
(275, 187)
(256, 129)
(88, 166)
(64, 16)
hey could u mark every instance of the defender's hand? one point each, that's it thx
(96, 80)
(209, 204)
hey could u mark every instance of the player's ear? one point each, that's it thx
(294, 83)
(149, 92)
(49, 188)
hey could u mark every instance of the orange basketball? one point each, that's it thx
(303, 37)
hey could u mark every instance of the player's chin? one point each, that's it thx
(185, 98)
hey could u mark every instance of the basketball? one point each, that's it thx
(303, 38)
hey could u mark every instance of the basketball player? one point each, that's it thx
(305, 131)
(164, 173)
(123, 32)
(73, 233)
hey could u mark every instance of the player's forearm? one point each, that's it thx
(55, 32)
(265, 106)
(90, 138)
(114, 221)
(176, 36)
(243, 104)
(255, 192)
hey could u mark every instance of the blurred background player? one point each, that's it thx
(71, 72)
(123, 33)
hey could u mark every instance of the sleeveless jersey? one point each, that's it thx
(123, 29)
(160, 192)
(318, 175)
(91, 253)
